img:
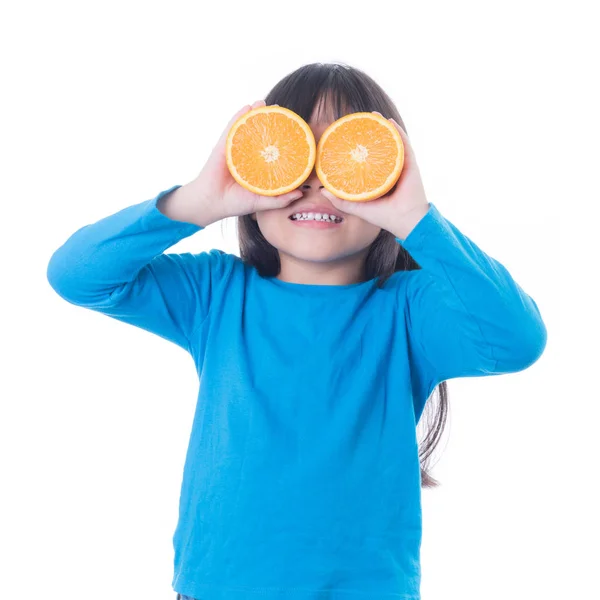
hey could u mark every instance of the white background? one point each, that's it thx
(107, 104)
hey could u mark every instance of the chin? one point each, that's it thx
(318, 247)
(316, 254)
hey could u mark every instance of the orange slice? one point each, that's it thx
(360, 157)
(270, 150)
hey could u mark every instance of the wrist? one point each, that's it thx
(406, 222)
(186, 204)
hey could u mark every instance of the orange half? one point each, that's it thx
(360, 157)
(270, 150)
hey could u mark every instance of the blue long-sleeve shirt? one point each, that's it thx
(302, 479)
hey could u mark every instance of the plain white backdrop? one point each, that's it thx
(105, 105)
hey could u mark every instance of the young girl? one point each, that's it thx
(317, 351)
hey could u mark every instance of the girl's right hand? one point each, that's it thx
(214, 194)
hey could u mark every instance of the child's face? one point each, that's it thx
(310, 241)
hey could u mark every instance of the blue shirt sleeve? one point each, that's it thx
(117, 267)
(466, 315)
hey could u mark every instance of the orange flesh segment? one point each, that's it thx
(359, 156)
(270, 151)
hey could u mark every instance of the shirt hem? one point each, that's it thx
(239, 593)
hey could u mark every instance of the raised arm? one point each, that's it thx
(117, 266)
(466, 314)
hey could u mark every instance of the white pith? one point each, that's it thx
(360, 153)
(270, 153)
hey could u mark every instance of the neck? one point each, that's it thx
(341, 272)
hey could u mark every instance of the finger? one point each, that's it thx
(271, 202)
(328, 195)
(402, 132)
(223, 139)
(238, 114)
(403, 135)
(410, 161)
(343, 205)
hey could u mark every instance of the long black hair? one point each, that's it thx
(347, 90)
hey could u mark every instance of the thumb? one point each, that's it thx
(270, 202)
(343, 205)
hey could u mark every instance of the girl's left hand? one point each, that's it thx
(402, 207)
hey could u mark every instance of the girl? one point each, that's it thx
(317, 351)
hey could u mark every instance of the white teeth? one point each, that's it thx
(316, 217)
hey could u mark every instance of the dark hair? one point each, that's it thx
(347, 90)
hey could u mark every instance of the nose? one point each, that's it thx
(312, 183)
